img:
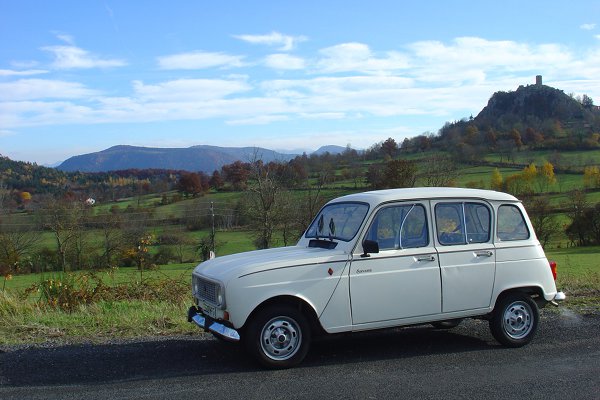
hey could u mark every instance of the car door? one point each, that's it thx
(466, 253)
(402, 279)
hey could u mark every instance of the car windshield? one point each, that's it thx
(339, 221)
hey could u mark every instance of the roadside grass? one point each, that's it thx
(23, 322)
(89, 307)
(578, 275)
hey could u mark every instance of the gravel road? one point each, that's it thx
(563, 362)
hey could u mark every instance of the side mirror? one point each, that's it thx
(370, 246)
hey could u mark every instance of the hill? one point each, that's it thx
(195, 158)
(534, 105)
(534, 117)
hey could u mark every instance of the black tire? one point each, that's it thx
(278, 337)
(514, 320)
(449, 324)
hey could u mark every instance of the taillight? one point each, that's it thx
(553, 269)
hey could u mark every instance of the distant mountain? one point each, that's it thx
(331, 149)
(195, 158)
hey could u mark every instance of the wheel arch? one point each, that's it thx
(535, 292)
(292, 301)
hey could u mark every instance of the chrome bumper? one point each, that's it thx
(210, 325)
(559, 296)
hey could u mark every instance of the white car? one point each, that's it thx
(382, 259)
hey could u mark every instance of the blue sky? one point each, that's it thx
(81, 76)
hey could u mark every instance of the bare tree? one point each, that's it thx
(439, 170)
(62, 219)
(112, 236)
(16, 242)
(543, 218)
(263, 202)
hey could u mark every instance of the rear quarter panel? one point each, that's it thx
(522, 264)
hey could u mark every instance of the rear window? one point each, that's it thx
(511, 223)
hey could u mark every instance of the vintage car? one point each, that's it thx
(382, 259)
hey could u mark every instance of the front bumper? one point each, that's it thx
(205, 322)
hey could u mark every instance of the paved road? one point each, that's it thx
(563, 362)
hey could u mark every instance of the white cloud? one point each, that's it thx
(587, 27)
(8, 72)
(72, 57)
(31, 89)
(284, 62)
(258, 120)
(189, 90)
(358, 57)
(286, 42)
(199, 60)
(349, 81)
(65, 38)
(6, 133)
(476, 60)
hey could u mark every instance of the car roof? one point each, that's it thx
(382, 196)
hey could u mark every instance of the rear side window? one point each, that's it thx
(462, 223)
(511, 223)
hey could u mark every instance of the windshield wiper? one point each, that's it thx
(331, 229)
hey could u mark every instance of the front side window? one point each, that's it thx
(400, 227)
(339, 221)
(462, 223)
(511, 224)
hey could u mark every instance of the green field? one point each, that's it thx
(26, 316)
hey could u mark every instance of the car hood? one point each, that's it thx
(233, 266)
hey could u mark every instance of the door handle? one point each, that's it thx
(486, 253)
(425, 258)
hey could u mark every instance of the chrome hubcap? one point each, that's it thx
(518, 320)
(281, 338)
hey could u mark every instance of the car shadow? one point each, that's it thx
(89, 364)
(418, 341)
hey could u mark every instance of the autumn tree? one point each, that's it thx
(591, 176)
(216, 180)
(236, 174)
(545, 177)
(496, 182)
(193, 184)
(516, 138)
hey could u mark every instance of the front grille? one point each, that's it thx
(205, 289)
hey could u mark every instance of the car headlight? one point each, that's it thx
(220, 297)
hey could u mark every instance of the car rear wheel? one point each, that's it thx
(515, 320)
(278, 337)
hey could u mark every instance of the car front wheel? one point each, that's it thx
(515, 319)
(278, 337)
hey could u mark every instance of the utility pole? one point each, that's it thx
(212, 234)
